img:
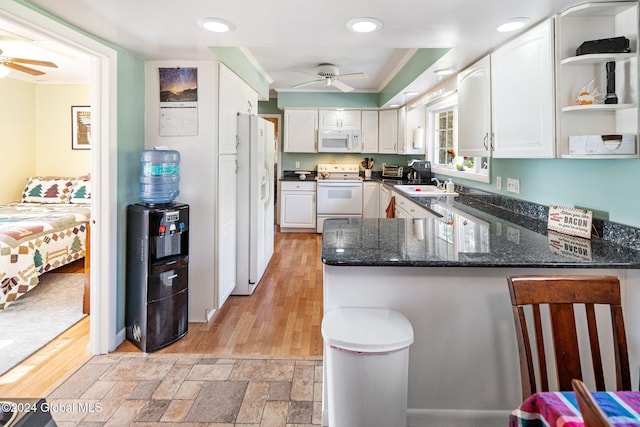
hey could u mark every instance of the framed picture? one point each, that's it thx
(81, 127)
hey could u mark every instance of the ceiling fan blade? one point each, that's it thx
(23, 69)
(352, 76)
(307, 83)
(342, 86)
(33, 62)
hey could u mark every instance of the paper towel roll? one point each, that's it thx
(418, 228)
(418, 137)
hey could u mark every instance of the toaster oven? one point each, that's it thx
(391, 171)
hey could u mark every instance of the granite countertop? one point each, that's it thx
(468, 234)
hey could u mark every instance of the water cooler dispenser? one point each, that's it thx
(157, 291)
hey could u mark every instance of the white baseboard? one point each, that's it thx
(456, 418)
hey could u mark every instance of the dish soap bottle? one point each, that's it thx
(450, 186)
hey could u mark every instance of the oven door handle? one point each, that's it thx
(339, 184)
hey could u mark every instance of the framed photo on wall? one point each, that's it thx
(81, 127)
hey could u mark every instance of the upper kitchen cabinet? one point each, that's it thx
(388, 131)
(522, 95)
(301, 131)
(474, 109)
(369, 134)
(234, 96)
(588, 125)
(340, 119)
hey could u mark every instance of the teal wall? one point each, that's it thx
(233, 58)
(131, 107)
(130, 141)
(607, 187)
(309, 161)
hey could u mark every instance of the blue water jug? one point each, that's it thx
(159, 176)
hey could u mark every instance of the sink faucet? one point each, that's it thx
(438, 184)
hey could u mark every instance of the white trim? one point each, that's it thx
(103, 166)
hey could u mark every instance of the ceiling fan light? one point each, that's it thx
(364, 25)
(513, 24)
(216, 25)
(4, 71)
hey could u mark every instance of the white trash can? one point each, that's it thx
(367, 351)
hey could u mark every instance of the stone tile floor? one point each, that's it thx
(154, 390)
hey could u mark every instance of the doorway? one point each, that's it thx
(103, 166)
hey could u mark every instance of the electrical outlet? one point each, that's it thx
(297, 165)
(513, 185)
(499, 182)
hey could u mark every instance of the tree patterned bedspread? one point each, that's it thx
(36, 238)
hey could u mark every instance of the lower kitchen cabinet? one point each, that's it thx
(405, 208)
(297, 206)
(370, 200)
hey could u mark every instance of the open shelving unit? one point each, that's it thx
(594, 21)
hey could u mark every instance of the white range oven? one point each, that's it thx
(339, 192)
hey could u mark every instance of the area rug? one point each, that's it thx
(39, 316)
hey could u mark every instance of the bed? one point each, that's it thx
(45, 230)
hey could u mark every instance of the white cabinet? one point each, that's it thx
(388, 132)
(340, 119)
(474, 109)
(370, 199)
(234, 96)
(227, 223)
(369, 134)
(228, 111)
(594, 21)
(297, 205)
(406, 208)
(523, 95)
(385, 198)
(301, 131)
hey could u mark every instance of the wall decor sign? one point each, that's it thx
(178, 101)
(81, 127)
(572, 221)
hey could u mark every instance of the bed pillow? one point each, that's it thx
(81, 192)
(47, 190)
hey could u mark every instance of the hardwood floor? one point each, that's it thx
(36, 375)
(281, 318)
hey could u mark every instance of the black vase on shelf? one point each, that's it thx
(611, 97)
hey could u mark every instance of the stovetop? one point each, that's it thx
(338, 172)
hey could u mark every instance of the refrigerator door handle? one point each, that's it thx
(267, 185)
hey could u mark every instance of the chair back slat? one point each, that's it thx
(561, 295)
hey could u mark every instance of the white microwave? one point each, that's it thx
(336, 141)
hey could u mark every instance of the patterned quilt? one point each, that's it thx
(560, 409)
(36, 238)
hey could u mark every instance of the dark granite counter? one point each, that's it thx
(469, 233)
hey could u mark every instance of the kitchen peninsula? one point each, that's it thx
(447, 275)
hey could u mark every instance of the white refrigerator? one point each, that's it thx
(255, 201)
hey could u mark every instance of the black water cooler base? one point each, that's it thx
(157, 290)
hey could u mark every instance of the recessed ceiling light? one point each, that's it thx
(513, 24)
(444, 71)
(364, 25)
(216, 25)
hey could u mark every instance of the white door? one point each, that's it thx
(523, 95)
(227, 216)
(474, 109)
(339, 197)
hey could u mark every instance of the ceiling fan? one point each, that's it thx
(329, 75)
(14, 63)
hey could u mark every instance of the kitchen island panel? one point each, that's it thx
(463, 364)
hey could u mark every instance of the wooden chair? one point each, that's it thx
(560, 293)
(592, 414)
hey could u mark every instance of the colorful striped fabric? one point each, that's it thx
(560, 409)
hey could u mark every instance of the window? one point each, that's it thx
(443, 141)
